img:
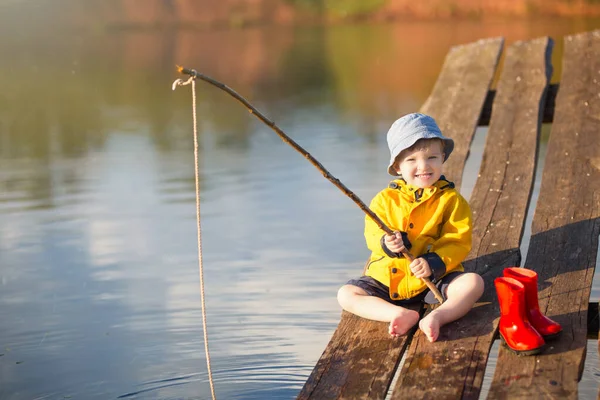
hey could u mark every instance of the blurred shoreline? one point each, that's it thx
(211, 14)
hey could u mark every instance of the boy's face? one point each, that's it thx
(422, 166)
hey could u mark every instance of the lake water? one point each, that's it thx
(99, 280)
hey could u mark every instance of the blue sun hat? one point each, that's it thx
(408, 129)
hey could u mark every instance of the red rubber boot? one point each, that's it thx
(515, 329)
(548, 328)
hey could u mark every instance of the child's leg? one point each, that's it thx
(357, 301)
(462, 293)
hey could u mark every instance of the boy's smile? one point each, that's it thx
(422, 166)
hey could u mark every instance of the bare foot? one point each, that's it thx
(430, 325)
(402, 323)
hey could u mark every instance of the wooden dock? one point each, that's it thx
(361, 360)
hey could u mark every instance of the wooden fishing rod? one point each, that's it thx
(313, 161)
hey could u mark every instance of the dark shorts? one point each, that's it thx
(378, 289)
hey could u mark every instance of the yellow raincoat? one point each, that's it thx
(437, 222)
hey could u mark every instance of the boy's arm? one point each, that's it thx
(454, 243)
(375, 235)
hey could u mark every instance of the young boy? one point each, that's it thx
(432, 220)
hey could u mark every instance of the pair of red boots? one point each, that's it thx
(522, 325)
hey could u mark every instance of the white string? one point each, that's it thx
(181, 82)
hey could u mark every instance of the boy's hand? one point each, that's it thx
(394, 242)
(420, 268)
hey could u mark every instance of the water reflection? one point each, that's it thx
(99, 276)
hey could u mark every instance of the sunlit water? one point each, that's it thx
(99, 275)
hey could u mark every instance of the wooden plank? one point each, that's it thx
(565, 231)
(459, 94)
(454, 366)
(361, 358)
(359, 361)
(547, 116)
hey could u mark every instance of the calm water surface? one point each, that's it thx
(99, 283)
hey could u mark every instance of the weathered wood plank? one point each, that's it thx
(565, 232)
(454, 366)
(458, 96)
(359, 361)
(361, 358)
(547, 115)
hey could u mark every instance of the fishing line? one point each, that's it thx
(181, 82)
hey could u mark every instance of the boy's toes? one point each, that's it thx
(403, 323)
(432, 335)
(430, 327)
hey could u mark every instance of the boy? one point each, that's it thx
(432, 220)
